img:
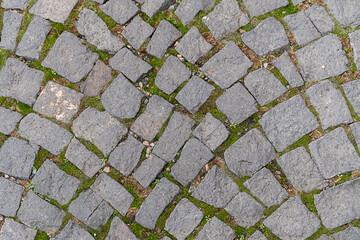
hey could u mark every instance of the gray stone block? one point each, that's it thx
(297, 2)
(137, 32)
(152, 7)
(148, 170)
(351, 233)
(15, 4)
(260, 7)
(352, 91)
(355, 129)
(120, 10)
(14, 230)
(320, 18)
(355, 44)
(8, 120)
(56, 11)
(188, 9)
(10, 30)
(72, 231)
(324, 237)
(346, 12)
(10, 197)
(215, 229)
(257, 236)
(119, 230)
(287, 68)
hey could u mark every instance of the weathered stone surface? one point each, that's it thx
(152, 7)
(352, 91)
(17, 157)
(355, 44)
(148, 170)
(97, 33)
(320, 18)
(69, 58)
(237, 104)
(216, 189)
(346, 12)
(260, 7)
(121, 98)
(287, 68)
(72, 231)
(164, 36)
(44, 133)
(323, 59)
(15, 4)
(149, 212)
(100, 128)
(193, 157)
(137, 32)
(149, 123)
(58, 101)
(257, 236)
(56, 11)
(113, 192)
(126, 156)
(20, 82)
(351, 233)
(188, 9)
(329, 103)
(10, 30)
(120, 10)
(119, 230)
(227, 66)
(184, 219)
(324, 237)
(172, 74)
(300, 170)
(339, 205)
(292, 220)
(8, 120)
(10, 197)
(250, 153)
(174, 137)
(82, 158)
(194, 94)
(215, 229)
(264, 86)
(334, 154)
(355, 129)
(33, 39)
(133, 67)
(288, 122)
(225, 18)
(267, 37)
(14, 230)
(36, 212)
(193, 46)
(297, 2)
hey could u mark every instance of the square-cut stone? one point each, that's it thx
(15, 4)
(10, 30)
(355, 44)
(323, 59)
(194, 94)
(148, 170)
(72, 231)
(8, 120)
(266, 38)
(260, 7)
(120, 10)
(56, 11)
(152, 7)
(237, 104)
(287, 122)
(14, 230)
(215, 229)
(351, 233)
(188, 9)
(119, 230)
(287, 68)
(10, 197)
(352, 92)
(227, 66)
(193, 46)
(257, 236)
(347, 12)
(320, 18)
(137, 32)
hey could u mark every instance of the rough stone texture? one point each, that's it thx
(300, 170)
(329, 103)
(100, 128)
(287, 122)
(352, 91)
(10, 197)
(193, 46)
(69, 58)
(227, 66)
(297, 2)
(36, 212)
(355, 44)
(119, 230)
(188, 9)
(260, 7)
(323, 59)
(237, 104)
(192, 159)
(133, 67)
(183, 220)
(171, 75)
(264, 86)
(14, 230)
(245, 210)
(15, 4)
(287, 68)
(351, 233)
(17, 157)
(174, 137)
(355, 129)
(225, 18)
(20, 82)
(54, 183)
(99, 76)
(267, 37)
(10, 30)
(324, 237)
(58, 101)
(97, 33)
(121, 98)
(44, 133)
(215, 229)
(120, 10)
(320, 18)
(148, 170)
(334, 154)
(152, 7)
(346, 12)
(113, 192)
(151, 209)
(149, 123)
(248, 154)
(56, 11)
(211, 132)
(83, 159)
(266, 188)
(194, 94)
(33, 39)
(216, 189)
(137, 32)
(257, 236)
(72, 231)
(339, 205)
(292, 220)
(164, 36)
(126, 156)
(8, 120)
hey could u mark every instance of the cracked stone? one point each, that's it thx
(72, 231)
(14, 230)
(119, 230)
(260, 7)
(120, 10)
(321, 19)
(215, 229)
(137, 32)
(56, 11)
(8, 120)
(287, 68)
(152, 7)
(10, 197)
(148, 170)
(10, 30)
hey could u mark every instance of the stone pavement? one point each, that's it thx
(180, 119)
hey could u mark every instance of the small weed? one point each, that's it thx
(30, 185)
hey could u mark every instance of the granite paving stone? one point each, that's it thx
(15, 4)
(188, 9)
(320, 18)
(152, 7)
(260, 7)
(324, 237)
(119, 230)
(14, 230)
(10, 29)
(287, 68)
(257, 236)
(347, 12)
(72, 231)
(215, 229)
(10, 197)
(355, 129)
(120, 10)
(352, 91)
(149, 170)
(297, 2)
(351, 233)
(355, 44)
(137, 31)
(56, 11)
(8, 120)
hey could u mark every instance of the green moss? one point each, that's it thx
(3, 137)
(4, 55)
(24, 25)
(41, 157)
(322, 230)
(94, 102)
(24, 109)
(308, 200)
(41, 236)
(302, 142)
